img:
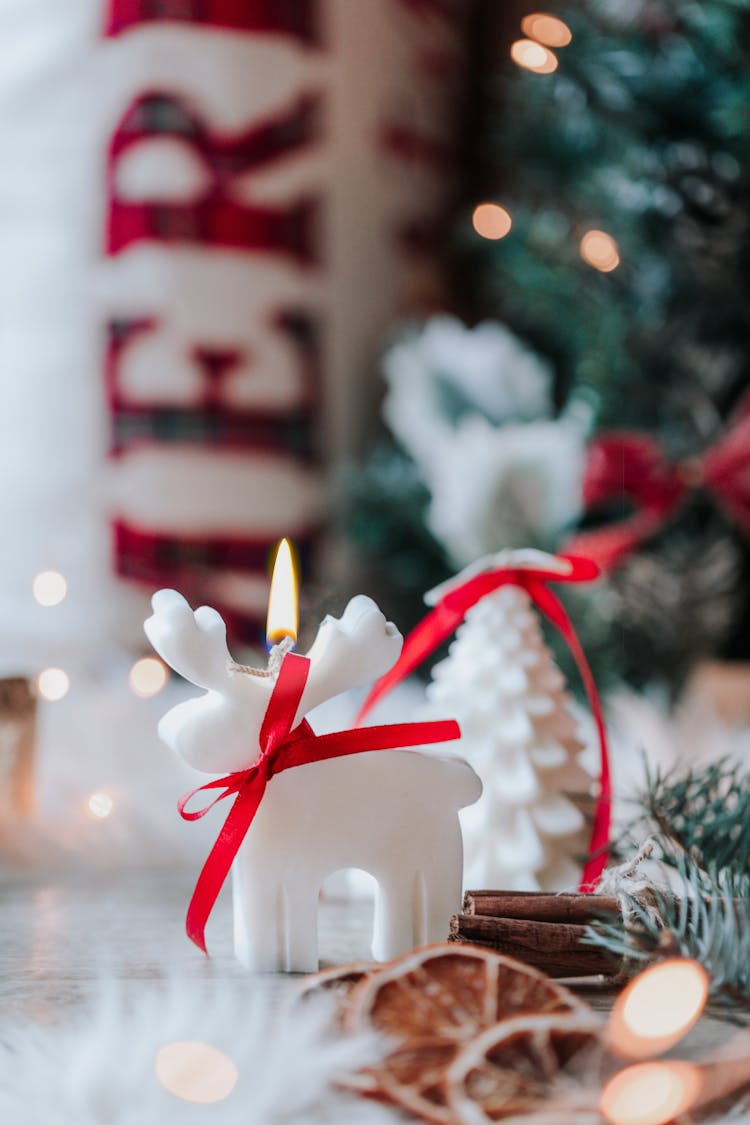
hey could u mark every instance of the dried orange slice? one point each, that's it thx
(530, 1067)
(340, 980)
(434, 1000)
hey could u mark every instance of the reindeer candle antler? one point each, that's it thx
(344, 804)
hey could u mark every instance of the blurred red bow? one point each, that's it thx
(634, 465)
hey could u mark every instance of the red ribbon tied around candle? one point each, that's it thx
(449, 612)
(282, 748)
(634, 465)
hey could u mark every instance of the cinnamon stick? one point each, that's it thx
(539, 906)
(554, 947)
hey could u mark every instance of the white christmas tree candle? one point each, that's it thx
(502, 684)
(391, 814)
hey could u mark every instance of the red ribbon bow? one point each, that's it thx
(635, 466)
(282, 748)
(448, 614)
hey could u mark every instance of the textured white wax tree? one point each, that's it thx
(393, 814)
(501, 682)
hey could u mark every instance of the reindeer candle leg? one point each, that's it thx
(302, 931)
(442, 876)
(394, 916)
(260, 921)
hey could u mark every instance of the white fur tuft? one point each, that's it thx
(99, 1065)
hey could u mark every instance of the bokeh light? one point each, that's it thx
(49, 587)
(533, 56)
(147, 677)
(658, 1008)
(650, 1093)
(100, 805)
(547, 29)
(490, 220)
(53, 684)
(600, 251)
(195, 1072)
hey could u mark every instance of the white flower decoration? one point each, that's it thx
(498, 487)
(486, 369)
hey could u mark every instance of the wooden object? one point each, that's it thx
(17, 737)
(540, 907)
(539, 929)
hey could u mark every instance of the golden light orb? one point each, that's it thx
(650, 1093)
(147, 677)
(195, 1072)
(53, 684)
(533, 56)
(100, 805)
(546, 29)
(658, 1008)
(600, 251)
(490, 220)
(49, 587)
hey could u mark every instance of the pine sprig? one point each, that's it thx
(698, 821)
(702, 813)
(705, 917)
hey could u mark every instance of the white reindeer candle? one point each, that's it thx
(307, 805)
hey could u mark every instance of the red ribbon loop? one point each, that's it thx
(634, 466)
(282, 748)
(230, 784)
(448, 614)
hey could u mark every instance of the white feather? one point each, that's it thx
(98, 1065)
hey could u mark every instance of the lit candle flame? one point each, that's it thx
(282, 602)
(657, 1008)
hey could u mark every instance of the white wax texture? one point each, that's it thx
(391, 813)
(501, 683)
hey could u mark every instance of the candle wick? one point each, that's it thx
(277, 654)
(275, 657)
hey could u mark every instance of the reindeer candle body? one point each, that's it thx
(393, 814)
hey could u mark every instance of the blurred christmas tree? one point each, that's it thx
(612, 238)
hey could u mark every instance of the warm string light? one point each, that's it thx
(100, 805)
(600, 251)
(53, 684)
(650, 1093)
(653, 1013)
(195, 1072)
(49, 587)
(657, 1008)
(546, 29)
(147, 677)
(490, 220)
(533, 56)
